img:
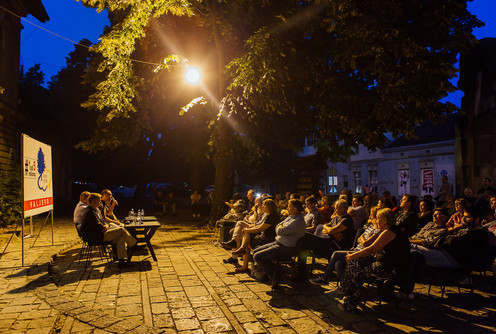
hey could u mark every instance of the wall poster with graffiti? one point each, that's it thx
(37, 175)
(403, 182)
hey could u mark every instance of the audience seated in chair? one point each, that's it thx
(455, 221)
(407, 219)
(95, 230)
(254, 218)
(338, 234)
(460, 250)
(384, 259)
(260, 234)
(357, 212)
(288, 232)
(313, 218)
(429, 237)
(337, 261)
(80, 209)
(426, 208)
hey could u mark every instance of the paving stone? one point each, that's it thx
(6, 323)
(104, 321)
(19, 308)
(66, 307)
(183, 313)
(202, 301)
(287, 313)
(238, 308)
(196, 291)
(142, 329)
(281, 330)
(245, 317)
(122, 326)
(210, 312)
(90, 316)
(163, 321)
(217, 325)
(254, 328)
(305, 325)
(187, 324)
(39, 330)
(127, 310)
(159, 308)
(35, 314)
(127, 300)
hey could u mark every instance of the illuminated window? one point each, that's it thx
(333, 180)
(373, 181)
(357, 178)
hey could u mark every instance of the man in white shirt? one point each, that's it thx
(79, 211)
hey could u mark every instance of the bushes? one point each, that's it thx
(10, 196)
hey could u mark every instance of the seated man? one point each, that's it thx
(95, 230)
(357, 212)
(107, 206)
(159, 203)
(434, 231)
(458, 251)
(288, 232)
(313, 218)
(170, 204)
(428, 237)
(338, 234)
(80, 209)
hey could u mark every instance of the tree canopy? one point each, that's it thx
(345, 70)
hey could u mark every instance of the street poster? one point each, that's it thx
(37, 176)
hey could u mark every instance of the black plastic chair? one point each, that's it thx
(87, 248)
(384, 287)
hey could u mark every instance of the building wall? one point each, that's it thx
(387, 163)
(10, 29)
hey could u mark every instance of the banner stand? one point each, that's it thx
(10, 239)
(30, 235)
(22, 244)
(50, 214)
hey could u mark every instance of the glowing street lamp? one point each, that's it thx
(192, 75)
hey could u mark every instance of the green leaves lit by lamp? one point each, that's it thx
(192, 75)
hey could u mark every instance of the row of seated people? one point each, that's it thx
(96, 223)
(383, 249)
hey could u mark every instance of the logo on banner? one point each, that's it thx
(45, 175)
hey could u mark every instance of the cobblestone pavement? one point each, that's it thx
(190, 290)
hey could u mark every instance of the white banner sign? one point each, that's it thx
(37, 174)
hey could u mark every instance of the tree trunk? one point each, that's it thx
(224, 170)
(224, 160)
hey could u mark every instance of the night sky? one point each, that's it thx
(73, 21)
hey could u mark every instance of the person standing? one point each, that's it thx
(444, 190)
(195, 203)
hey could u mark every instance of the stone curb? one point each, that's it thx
(40, 282)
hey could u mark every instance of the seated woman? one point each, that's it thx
(253, 218)
(388, 253)
(455, 221)
(265, 233)
(425, 214)
(288, 232)
(337, 261)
